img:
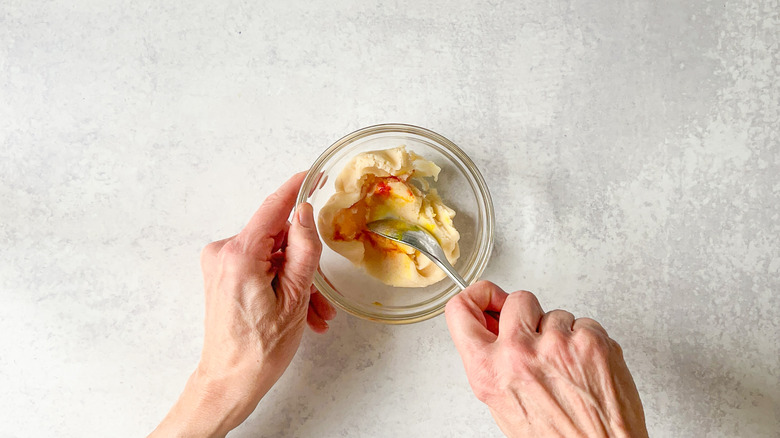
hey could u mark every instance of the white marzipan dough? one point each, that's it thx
(417, 203)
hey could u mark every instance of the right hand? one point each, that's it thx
(542, 374)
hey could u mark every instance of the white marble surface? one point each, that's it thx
(631, 149)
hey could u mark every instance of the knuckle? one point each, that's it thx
(229, 252)
(524, 297)
(482, 284)
(590, 321)
(592, 324)
(209, 251)
(615, 347)
(524, 294)
(232, 259)
(563, 314)
(514, 297)
(592, 343)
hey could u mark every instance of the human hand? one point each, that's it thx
(543, 374)
(258, 294)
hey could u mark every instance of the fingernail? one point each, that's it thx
(306, 215)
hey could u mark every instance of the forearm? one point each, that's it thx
(204, 409)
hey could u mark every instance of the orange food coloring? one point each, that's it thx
(349, 224)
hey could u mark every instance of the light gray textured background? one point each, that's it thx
(631, 148)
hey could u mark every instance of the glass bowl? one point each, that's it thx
(460, 186)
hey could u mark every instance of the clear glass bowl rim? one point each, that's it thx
(486, 248)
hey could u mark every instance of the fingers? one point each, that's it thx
(315, 321)
(319, 182)
(280, 239)
(321, 305)
(302, 257)
(259, 235)
(560, 320)
(320, 311)
(491, 322)
(466, 318)
(521, 315)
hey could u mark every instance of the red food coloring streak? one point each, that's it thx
(382, 188)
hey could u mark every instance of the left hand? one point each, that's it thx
(258, 294)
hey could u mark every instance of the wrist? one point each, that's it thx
(208, 407)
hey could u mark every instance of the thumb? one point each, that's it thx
(302, 256)
(467, 317)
